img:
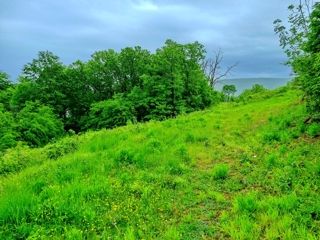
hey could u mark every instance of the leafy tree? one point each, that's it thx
(48, 77)
(109, 113)
(174, 81)
(103, 74)
(5, 81)
(132, 63)
(292, 39)
(164, 83)
(23, 92)
(302, 45)
(8, 132)
(138, 99)
(248, 94)
(5, 97)
(37, 124)
(307, 67)
(197, 93)
(80, 95)
(139, 85)
(229, 90)
(6, 90)
(256, 88)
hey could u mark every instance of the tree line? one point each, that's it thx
(109, 90)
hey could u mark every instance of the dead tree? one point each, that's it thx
(213, 69)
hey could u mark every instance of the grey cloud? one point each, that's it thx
(74, 29)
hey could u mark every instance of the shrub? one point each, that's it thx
(245, 203)
(220, 171)
(109, 114)
(272, 136)
(38, 124)
(271, 160)
(314, 129)
(124, 156)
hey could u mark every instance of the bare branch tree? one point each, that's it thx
(213, 69)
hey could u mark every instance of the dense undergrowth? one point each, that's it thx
(246, 170)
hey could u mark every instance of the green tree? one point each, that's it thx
(109, 113)
(301, 44)
(104, 72)
(132, 63)
(307, 67)
(197, 93)
(24, 91)
(37, 124)
(163, 83)
(174, 81)
(292, 39)
(5, 81)
(256, 88)
(80, 95)
(229, 90)
(8, 133)
(47, 74)
(6, 90)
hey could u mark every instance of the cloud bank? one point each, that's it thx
(74, 30)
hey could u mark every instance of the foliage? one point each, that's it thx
(109, 114)
(49, 81)
(6, 88)
(220, 171)
(7, 129)
(303, 51)
(259, 92)
(175, 83)
(293, 39)
(109, 90)
(104, 186)
(4, 81)
(16, 159)
(79, 95)
(229, 90)
(257, 88)
(23, 92)
(37, 124)
(308, 66)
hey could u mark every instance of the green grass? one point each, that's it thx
(236, 171)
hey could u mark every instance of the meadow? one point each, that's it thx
(239, 170)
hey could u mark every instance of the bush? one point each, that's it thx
(314, 129)
(38, 124)
(246, 203)
(109, 114)
(220, 171)
(124, 156)
(272, 136)
(8, 132)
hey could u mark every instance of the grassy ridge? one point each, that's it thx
(236, 171)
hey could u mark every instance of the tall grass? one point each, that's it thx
(236, 171)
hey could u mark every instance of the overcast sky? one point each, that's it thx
(75, 29)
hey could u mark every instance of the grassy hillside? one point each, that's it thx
(236, 171)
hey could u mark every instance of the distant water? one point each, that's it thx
(247, 83)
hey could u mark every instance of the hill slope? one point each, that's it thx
(232, 172)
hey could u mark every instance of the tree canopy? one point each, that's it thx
(302, 45)
(109, 90)
(229, 90)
